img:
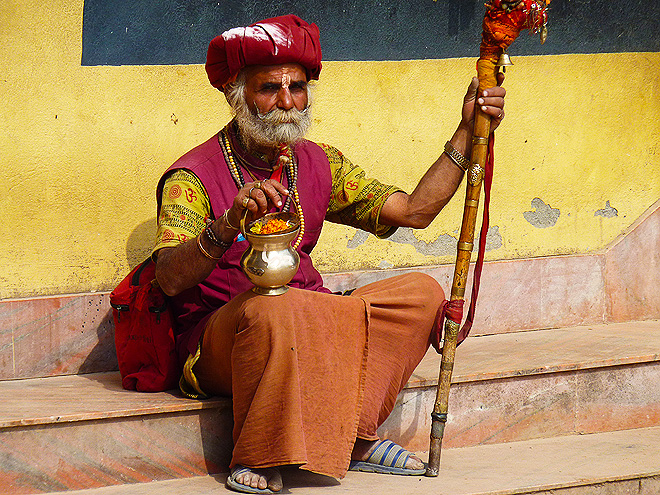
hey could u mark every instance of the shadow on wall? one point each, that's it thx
(102, 356)
(140, 242)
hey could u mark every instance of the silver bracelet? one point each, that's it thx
(460, 161)
(226, 218)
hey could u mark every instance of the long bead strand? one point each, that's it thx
(296, 195)
(229, 158)
(287, 158)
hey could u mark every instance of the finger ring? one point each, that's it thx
(500, 115)
(246, 200)
(257, 185)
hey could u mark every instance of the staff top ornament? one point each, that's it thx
(502, 24)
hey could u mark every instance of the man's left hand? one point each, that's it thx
(491, 102)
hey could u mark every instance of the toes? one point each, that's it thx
(414, 462)
(275, 480)
(251, 479)
(261, 479)
(255, 481)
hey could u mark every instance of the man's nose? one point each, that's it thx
(284, 99)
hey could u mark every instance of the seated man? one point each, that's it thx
(312, 374)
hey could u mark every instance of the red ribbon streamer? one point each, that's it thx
(454, 309)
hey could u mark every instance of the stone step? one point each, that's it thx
(74, 432)
(538, 384)
(611, 463)
(84, 431)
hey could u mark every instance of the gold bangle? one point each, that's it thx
(224, 215)
(460, 161)
(204, 251)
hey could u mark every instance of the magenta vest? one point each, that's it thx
(193, 306)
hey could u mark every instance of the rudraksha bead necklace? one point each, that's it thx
(287, 160)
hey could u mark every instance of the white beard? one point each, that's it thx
(273, 128)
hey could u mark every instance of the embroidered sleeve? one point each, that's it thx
(356, 200)
(185, 207)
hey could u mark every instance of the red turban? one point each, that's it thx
(279, 40)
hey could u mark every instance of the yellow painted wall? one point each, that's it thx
(82, 149)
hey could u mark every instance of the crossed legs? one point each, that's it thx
(313, 375)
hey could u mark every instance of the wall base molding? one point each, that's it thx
(73, 334)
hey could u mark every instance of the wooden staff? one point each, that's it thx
(502, 23)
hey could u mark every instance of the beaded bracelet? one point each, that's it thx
(214, 239)
(204, 251)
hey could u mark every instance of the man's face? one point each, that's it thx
(271, 104)
(276, 86)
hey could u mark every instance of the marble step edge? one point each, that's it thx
(596, 486)
(143, 403)
(215, 483)
(426, 374)
(107, 400)
(416, 382)
(177, 404)
(219, 404)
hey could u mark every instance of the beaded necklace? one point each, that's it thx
(287, 160)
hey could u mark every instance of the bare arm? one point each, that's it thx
(439, 183)
(184, 266)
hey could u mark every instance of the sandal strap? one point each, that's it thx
(389, 454)
(238, 470)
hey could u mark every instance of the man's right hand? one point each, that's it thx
(184, 266)
(257, 198)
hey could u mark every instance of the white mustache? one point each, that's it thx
(272, 128)
(279, 116)
(275, 127)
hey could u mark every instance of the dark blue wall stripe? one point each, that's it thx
(145, 32)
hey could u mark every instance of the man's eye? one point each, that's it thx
(297, 87)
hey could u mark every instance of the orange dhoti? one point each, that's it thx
(309, 372)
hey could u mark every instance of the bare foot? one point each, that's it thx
(257, 478)
(363, 449)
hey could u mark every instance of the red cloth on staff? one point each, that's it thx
(279, 40)
(454, 309)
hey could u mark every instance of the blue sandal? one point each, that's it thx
(387, 458)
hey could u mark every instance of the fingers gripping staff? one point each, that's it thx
(501, 26)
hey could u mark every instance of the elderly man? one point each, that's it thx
(312, 374)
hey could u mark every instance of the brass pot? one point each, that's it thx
(271, 262)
